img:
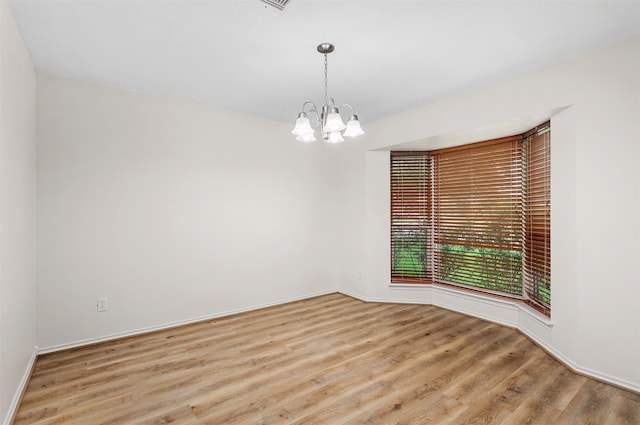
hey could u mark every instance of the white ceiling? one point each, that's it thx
(245, 56)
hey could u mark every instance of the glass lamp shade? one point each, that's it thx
(303, 126)
(335, 137)
(306, 138)
(353, 127)
(334, 122)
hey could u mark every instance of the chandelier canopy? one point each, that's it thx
(327, 118)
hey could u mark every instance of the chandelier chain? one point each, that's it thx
(326, 96)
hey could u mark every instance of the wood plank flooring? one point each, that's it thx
(326, 360)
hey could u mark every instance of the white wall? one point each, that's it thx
(595, 206)
(17, 212)
(171, 210)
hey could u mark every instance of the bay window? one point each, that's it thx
(476, 216)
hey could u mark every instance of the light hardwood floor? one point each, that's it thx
(326, 360)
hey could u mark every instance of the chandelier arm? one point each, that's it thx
(353, 112)
(312, 112)
(313, 106)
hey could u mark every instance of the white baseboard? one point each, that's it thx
(478, 299)
(170, 325)
(577, 368)
(13, 407)
(521, 310)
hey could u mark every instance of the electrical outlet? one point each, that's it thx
(102, 304)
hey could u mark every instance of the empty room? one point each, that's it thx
(319, 212)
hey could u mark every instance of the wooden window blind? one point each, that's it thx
(537, 218)
(411, 186)
(476, 216)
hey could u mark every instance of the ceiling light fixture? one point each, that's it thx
(328, 117)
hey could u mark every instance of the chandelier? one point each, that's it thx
(327, 118)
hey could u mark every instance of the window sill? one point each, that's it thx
(470, 295)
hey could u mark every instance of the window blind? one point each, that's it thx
(478, 215)
(411, 185)
(537, 218)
